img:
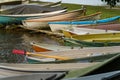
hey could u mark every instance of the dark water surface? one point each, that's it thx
(19, 39)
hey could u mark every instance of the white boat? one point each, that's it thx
(40, 23)
(58, 25)
(82, 31)
(40, 47)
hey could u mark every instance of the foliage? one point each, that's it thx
(111, 3)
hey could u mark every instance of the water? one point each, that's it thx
(84, 2)
(19, 39)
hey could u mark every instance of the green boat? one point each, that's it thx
(75, 42)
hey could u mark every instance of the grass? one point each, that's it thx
(106, 13)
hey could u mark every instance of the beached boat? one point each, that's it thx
(82, 31)
(103, 37)
(11, 2)
(94, 40)
(83, 52)
(39, 23)
(40, 47)
(4, 5)
(12, 72)
(97, 69)
(17, 19)
(100, 76)
(52, 4)
(75, 55)
(56, 26)
(103, 27)
(55, 67)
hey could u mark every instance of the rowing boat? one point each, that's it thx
(100, 76)
(103, 37)
(17, 19)
(58, 25)
(83, 52)
(103, 27)
(40, 47)
(93, 40)
(4, 5)
(74, 55)
(39, 23)
(97, 69)
(82, 31)
(8, 7)
(14, 72)
(55, 67)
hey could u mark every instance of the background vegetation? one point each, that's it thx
(106, 12)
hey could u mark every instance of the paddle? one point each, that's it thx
(22, 52)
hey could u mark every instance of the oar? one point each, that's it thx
(22, 52)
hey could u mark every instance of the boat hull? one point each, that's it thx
(58, 25)
(17, 19)
(64, 16)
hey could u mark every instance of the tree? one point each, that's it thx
(111, 3)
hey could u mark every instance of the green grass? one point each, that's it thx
(106, 13)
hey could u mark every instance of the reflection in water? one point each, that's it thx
(10, 40)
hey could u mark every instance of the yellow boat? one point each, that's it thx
(103, 37)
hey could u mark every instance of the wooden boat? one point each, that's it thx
(52, 4)
(103, 37)
(18, 4)
(40, 47)
(17, 19)
(97, 43)
(97, 69)
(100, 76)
(39, 23)
(55, 67)
(35, 76)
(103, 27)
(56, 26)
(12, 72)
(82, 31)
(76, 55)
(4, 5)
(8, 2)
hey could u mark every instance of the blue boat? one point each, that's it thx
(107, 20)
(22, 12)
